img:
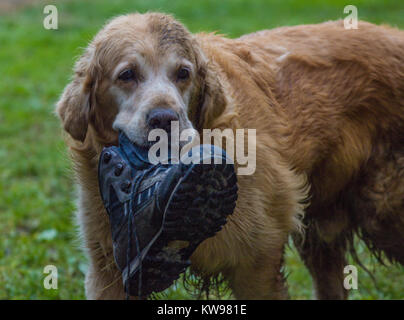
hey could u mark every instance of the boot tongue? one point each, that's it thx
(137, 156)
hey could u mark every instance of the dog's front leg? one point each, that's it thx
(325, 259)
(260, 280)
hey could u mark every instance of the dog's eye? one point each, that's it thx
(183, 74)
(127, 75)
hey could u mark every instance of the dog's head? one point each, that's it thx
(140, 72)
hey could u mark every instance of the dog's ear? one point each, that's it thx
(74, 105)
(211, 101)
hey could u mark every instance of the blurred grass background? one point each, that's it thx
(36, 189)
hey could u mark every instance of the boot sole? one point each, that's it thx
(188, 218)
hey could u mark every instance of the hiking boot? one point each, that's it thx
(160, 213)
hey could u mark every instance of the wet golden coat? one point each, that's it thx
(327, 105)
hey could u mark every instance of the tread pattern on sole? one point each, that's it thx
(189, 218)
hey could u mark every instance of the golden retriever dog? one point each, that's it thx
(328, 108)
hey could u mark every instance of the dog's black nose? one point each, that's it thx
(160, 118)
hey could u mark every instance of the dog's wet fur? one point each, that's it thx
(328, 108)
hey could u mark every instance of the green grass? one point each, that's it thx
(36, 191)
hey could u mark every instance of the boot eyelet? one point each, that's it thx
(125, 186)
(118, 169)
(107, 157)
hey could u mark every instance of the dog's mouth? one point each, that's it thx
(167, 140)
(145, 143)
(164, 150)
